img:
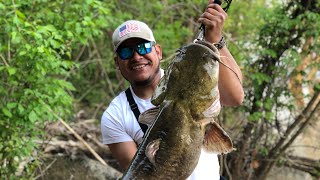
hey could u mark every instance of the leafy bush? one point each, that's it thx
(36, 43)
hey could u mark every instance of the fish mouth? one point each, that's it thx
(207, 44)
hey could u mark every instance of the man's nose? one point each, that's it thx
(136, 56)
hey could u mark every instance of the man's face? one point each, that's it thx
(140, 70)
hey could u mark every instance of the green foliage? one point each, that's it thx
(277, 55)
(274, 52)
(264, 151)
(36, 44)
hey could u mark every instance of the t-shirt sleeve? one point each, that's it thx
(112, 126)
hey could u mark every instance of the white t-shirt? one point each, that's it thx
(118, 124)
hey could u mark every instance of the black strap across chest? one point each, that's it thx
(135, 109)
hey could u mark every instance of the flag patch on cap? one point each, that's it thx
(128, 28)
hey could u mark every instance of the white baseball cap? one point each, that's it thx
(131, 29)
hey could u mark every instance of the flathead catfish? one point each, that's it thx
(187, 102)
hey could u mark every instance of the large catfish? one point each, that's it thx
(187, 100)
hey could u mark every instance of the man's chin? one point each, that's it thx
(142, 83)
(145, 80)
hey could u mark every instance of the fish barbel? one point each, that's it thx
(187, 102)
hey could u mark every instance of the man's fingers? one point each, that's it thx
(213, 15)
(215, 12)
(212, 23)
(216, 7)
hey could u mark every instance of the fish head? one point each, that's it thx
(192, 76)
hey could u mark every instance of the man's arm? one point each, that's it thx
(230, 81)
(230, 87)
(123, 152)
(120, 143)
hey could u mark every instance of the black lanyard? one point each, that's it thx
(135, 109)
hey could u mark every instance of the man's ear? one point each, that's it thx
(159, 51)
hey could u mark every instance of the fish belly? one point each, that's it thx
(179, 148)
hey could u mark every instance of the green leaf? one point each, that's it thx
(21, 53)
(70, 34)
(268, 104)
(58, 37)
(6, 112)
(15, 37)
(255, 117)
(12, 70)
(33, 116)
(316, 87)
(264, 151)
(261, 77)
(41, 49)
(269, 116)
(20, 15)
(11, 105)
(20, 108)
(16, 21)
(259, 103)
(37, 35)
(3, 7)
(27, 46)
(50, 28)
(55, 44)
(69, 86)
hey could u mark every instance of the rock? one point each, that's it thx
(78, 167)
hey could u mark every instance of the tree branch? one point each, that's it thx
(304, 164)
(301, 122)
(4, 60)
(302, 117)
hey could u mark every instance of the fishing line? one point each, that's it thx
(225, 65)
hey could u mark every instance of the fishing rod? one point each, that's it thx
(225, 4)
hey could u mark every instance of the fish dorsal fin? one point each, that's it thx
(216, 140)
(149, 116)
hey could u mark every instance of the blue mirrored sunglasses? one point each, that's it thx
(141, 48)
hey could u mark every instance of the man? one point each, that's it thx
(138, 59)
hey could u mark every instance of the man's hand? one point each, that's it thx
(213, 18)
(231, 91)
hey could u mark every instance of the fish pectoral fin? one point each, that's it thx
(216, 140)
(152, 149)
(149, 116)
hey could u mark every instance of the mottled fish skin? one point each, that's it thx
(179, 126)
